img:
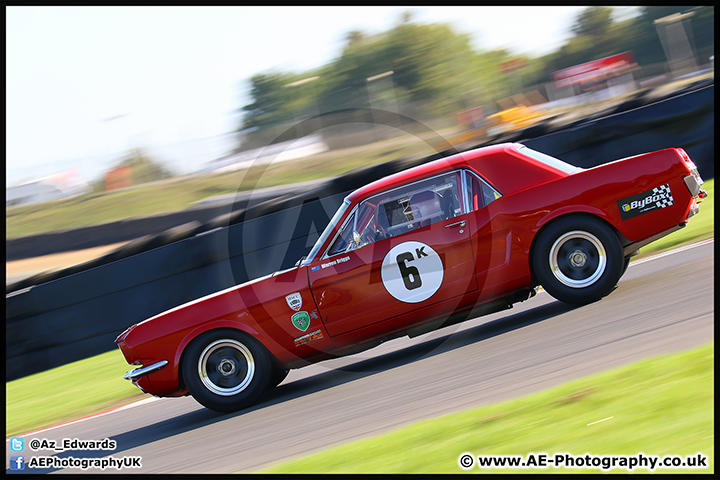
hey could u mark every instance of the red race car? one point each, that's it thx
(434, 245)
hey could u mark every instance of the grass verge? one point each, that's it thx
(660, 406)
(68, 392)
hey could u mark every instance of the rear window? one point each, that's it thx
(548, 160)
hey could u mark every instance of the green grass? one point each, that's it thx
(660, 406)
(68, 392)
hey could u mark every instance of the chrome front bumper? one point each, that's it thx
(139, 372)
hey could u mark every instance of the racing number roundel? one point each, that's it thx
(412, 272)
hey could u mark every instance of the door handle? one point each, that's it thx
(456, 224)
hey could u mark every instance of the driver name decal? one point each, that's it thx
(658, 197)
(412, 272)
(334, 262)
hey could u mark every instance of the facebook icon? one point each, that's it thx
(17, 462)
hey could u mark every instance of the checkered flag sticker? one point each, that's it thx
(666, 199)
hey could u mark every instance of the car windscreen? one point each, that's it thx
(333, 221)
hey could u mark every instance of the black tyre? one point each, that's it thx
(578, 259)
(626, 264)
(226, 370)
(279, 374)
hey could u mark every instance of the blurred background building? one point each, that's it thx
(63, 184)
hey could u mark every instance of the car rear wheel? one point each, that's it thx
(626, 264)
(578, 259)
(226, 370)
(279, 374)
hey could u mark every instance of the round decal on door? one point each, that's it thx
(412, 272)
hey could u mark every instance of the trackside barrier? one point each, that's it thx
(123, 230)
(686, 120)
(78, 315)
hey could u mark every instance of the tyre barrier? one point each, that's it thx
(76, 313)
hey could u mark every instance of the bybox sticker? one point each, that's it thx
(657, 198)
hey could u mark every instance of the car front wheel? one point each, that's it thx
(578, 259)
(226, 370)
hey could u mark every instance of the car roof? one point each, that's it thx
(441, 165)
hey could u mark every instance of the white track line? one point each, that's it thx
(94, 415)
(677, 250)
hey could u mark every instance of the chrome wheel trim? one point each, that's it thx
(226, 367)
(577, 259)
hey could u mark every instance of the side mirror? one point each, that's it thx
(356, 242)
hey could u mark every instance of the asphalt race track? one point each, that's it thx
(662, 305)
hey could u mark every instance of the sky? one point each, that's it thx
(86, 84)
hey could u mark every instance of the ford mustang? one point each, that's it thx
(434, 245)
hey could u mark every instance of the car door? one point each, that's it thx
(492, 238)
(398, 252)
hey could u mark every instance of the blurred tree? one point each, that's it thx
(434, 68)
(144, 168)
(354, 37)
(643, 38)
(593, 22)
(597, 36)
(428, 62)
(641, 34)
(270, 100)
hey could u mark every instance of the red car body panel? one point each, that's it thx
(335, 304)
(352, 295)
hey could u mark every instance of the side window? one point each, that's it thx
(480, 194)
(419, 204)
(399, 211)
(359, 229)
